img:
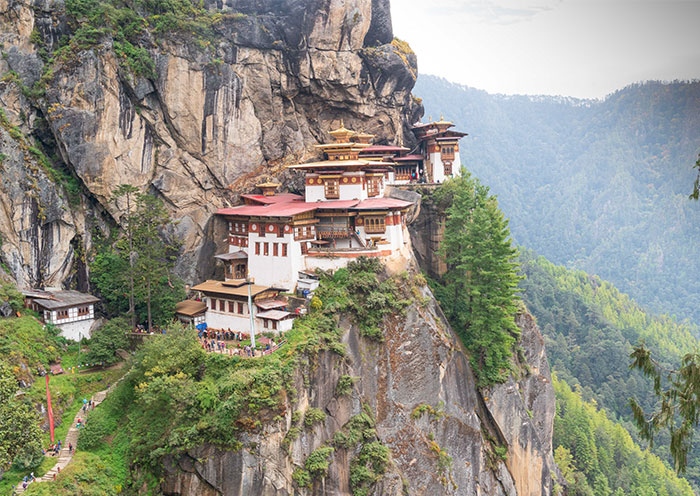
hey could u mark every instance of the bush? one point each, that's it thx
(317, 463)
(345, 384)
(313, 416)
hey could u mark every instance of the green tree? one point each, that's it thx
(141, 258)
(696, 185)
(155, 258)
(678, 394)
(107, 340)
(129, 192)
(480, 284)
(20, 436)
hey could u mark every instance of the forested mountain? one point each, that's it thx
(600, 186)
(590, 328)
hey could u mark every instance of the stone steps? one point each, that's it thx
(64, 457)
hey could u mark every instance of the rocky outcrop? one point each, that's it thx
(203, 126)
(441, 432)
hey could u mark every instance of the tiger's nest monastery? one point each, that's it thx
(275, 241)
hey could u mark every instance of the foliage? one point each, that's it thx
(147, 235)
(87, 474)
(313, 416)
(301, 477)
(600, 186)
(107, 340)
(26, 340)
(696, 185)
(345, 384)
(20, 436)
(9, 294)
(590, 329)
(361, 291)
(598, 456)
(317, 462)
(478, 289)
(368, 467)
(678, 395)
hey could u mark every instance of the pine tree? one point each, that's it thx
(480, 283)
(129, 192)
(155, 257)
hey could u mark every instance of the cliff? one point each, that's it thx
(210, 117)
(416, 394)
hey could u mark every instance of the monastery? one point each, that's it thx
(275, 241)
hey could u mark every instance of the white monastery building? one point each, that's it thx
(274, 239)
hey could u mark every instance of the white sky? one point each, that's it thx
(581, 48)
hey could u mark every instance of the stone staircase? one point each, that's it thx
(64, 456)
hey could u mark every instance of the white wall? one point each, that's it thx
(76, 329)
(457, 165)
(349, 191)
(314, 192)
(279, 271)
(438, 168)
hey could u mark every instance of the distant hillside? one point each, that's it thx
(589, 329)
(600, 186)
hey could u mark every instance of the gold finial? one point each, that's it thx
(441, 117)
(341, 123)
(430, 118)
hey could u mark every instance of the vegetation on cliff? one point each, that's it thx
(478, 290)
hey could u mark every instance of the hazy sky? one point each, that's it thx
(582, 48)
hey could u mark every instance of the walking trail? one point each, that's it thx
(64, 456)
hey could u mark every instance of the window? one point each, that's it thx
(266, 249)
(240, 308)
(257, 247)
(83, 311)
(304, 249)
(275, 253)
(265, 323)
(212, 303)
(284, 249)
(274, 325)
(230, 307)
(331, 188)
(373, 186)
(448, 169)
(374, 225)
(280, 231)
(222, 306)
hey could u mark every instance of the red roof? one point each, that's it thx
(287, 209)
(381, 203)
(281, 198)
(336, 204)
(408, 158)
(383, 148)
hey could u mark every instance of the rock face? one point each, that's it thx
(419, 364)
(200, 128)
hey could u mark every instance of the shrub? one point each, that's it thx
(313, 416)
(345, 384)
(317, 463)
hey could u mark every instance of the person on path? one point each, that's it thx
(32, 477)
(70, 447)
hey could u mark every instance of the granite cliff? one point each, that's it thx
(204, 124)
(443, 435)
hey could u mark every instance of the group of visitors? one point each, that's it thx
(219, 335)
(88, 405)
